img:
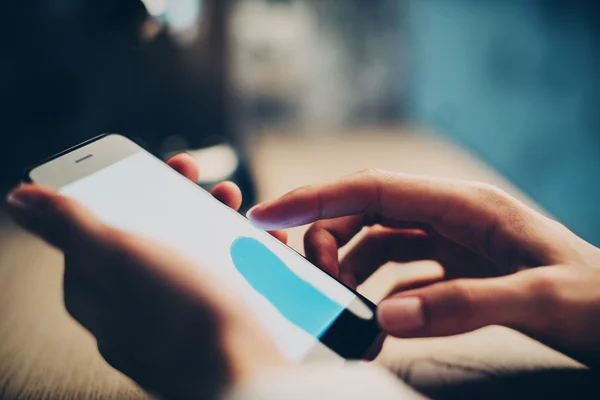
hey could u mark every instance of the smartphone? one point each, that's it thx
(308, 314)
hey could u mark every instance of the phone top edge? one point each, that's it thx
(26, 177)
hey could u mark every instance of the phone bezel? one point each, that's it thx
(366, 334)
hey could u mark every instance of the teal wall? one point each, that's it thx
(516, 82)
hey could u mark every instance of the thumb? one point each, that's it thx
(457, 306)
(59, 220)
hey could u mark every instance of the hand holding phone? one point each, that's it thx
(158, 317)
(134, 197)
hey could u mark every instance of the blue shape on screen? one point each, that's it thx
(300, 302)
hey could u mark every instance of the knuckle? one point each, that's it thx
(550, 291)
(318, 226)
(462, 300)
(546, 288)
(370, 172)
(504, 205)
(314, 232)
(379, 241)
(371, 238)
(298, 192)
(378, 234)
(311, 235)
(375, 174)
(313, 239)
(489, 193)
(376, 231)
(375, 181)
(505, 216)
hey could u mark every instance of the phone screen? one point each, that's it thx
(298, 305)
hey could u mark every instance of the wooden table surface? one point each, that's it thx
(44, 354)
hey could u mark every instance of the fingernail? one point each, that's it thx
(25, 201)
(252, 211)
(401, 314)
(249, 212)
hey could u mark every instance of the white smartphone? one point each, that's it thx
(307, 313)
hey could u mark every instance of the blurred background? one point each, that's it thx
(255, 85)
(275, 94)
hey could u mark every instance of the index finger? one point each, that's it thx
(476, 215)
(392, 195)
